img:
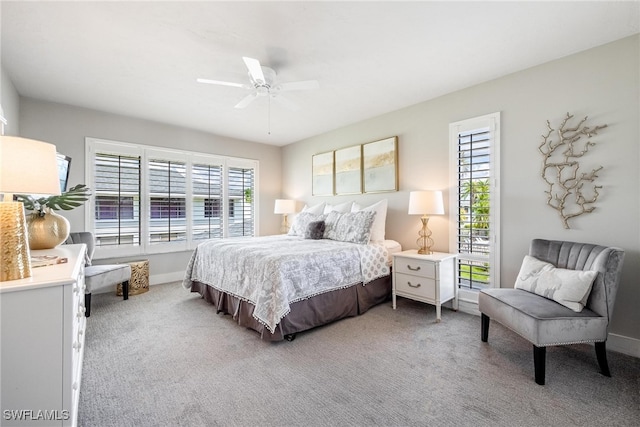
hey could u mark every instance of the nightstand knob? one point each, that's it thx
(414, 286)
(413, 268)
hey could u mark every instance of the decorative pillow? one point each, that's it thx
(315, 209)
(315, 230)
(379, 223)
(354, 227)
(301, 223)
(570, 288)
(342, 207)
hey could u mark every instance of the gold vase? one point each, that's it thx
(47, 231)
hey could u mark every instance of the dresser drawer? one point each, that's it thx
(416, 267)
(422, 287)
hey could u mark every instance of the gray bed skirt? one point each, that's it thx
(306, 314)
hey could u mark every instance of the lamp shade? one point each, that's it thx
(426, 203)
(28, 167)
(284, 206)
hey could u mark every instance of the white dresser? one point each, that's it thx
(42, 342)
(426, 278)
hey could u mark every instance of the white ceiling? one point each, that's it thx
(142, 59)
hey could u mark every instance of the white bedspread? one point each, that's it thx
(273, 272)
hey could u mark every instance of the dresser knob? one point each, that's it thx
(413, 268)
(413, 286)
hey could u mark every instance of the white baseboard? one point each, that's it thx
(154, 279)
(468, 307)
(158, 279)
(625, 345)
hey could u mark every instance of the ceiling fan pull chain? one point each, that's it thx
(269, 113)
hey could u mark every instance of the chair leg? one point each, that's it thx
(87, 305)
(484, 327)
(539, 355)
(125, 289)
(601, 354)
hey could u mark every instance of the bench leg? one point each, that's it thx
(87, 305)
(484, 327)
(539, 355)
(125, 289)
(601, 354)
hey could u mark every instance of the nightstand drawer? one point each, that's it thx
(416, 285)
(417, 267)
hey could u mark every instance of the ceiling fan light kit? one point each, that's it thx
(263, 82)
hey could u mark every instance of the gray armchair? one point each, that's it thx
(100, 276)
(545, 322)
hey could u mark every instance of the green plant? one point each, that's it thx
(248, 195)
(477, 192)
(66, 201)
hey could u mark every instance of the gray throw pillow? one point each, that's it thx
(315, 230)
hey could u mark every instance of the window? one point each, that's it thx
(212, 208)
(475, 201)
(150, 200)
(112, 208)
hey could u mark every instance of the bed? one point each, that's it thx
(285, 284)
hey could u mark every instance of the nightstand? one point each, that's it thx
(426, 278)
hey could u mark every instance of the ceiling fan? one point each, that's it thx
(263, 82)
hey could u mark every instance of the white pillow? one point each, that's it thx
(342, 207)
(570, 288)
(315, 209)
(379, 221)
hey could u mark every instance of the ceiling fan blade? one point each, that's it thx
(304, 85)
(246, 100)
(218, 82)
(255, 70)
(285, 102)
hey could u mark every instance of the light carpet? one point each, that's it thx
(165, 358)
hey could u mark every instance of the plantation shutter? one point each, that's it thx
(207, 201)
(167, 192)
(474, 207)
(241, 193)
(117, 199)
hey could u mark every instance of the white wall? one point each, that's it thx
(10, 101)
(67, 126)
(602, 83)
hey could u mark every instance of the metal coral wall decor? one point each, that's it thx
(571, 191)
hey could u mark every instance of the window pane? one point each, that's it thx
(474, 206)
(117, 201)
(167, 190)
(241, 192)
(207, 201)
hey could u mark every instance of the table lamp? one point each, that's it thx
(26, 167)
(284, 207)
(425, 203)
